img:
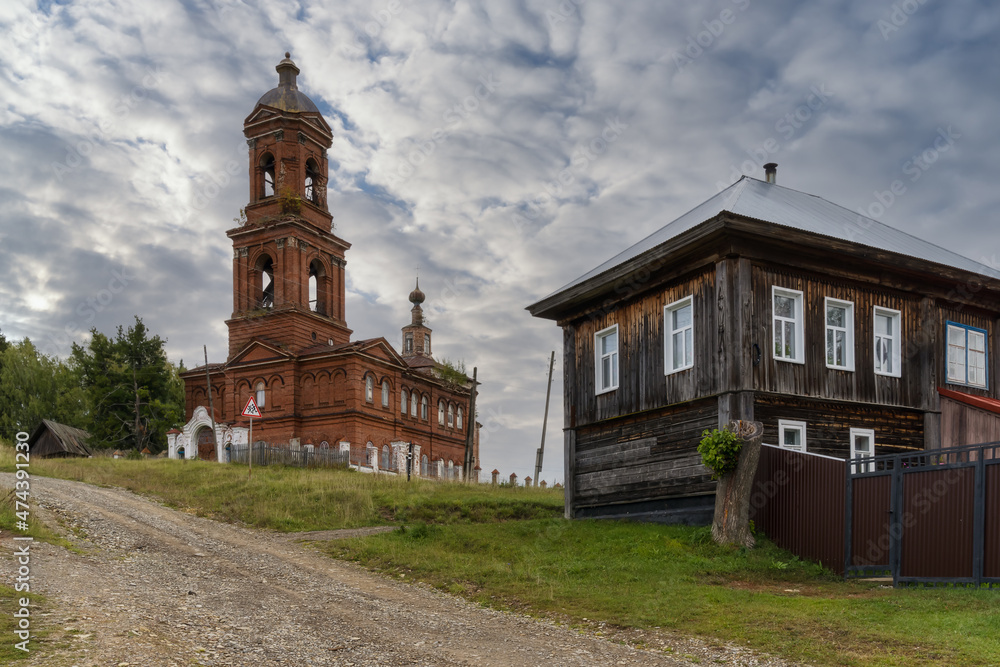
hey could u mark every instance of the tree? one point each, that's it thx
(735, 467)
(134, 391)
(34, 386)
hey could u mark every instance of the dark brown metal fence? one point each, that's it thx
(930, 517)
(798, 502)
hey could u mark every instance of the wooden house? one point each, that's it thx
(54, 440)
(843, 336)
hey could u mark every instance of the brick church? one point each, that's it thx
(289, 343)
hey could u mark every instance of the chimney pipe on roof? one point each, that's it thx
(771, 172)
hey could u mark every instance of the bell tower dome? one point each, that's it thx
(416, 335)
(288, 265)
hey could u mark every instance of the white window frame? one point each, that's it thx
(414, 400)
(897, 338)
(423, 407)
(966, 331)
(261, 391)
(385, 393)
(369, 389)
(848, 330)
(451, 415)
(798, 324)
(599, 384)
(669, 363)
(440, 413)
(458, 418)
(863, 432)
(789, 425)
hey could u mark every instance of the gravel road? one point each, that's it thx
(156, 586)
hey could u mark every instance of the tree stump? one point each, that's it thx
(731, 522)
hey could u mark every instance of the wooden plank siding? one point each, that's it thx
(963, 424)
(642, 384)
(813, 378)
(829, 424)
(644, 457)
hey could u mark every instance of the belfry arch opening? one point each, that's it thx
(267, 175)
(265, 269)
(312, 181)
(317, 287)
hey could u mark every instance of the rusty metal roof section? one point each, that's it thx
(287, 95)
(769, 202)
(54, 439)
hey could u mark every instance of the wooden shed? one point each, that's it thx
(53, 440)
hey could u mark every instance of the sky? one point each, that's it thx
(500, 148)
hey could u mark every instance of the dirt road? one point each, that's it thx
(155, 586)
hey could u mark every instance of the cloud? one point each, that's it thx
(471, 141)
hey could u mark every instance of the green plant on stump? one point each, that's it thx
(720, 451)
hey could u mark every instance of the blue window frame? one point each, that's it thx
(967, 355)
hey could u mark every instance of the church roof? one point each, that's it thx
(769, 202)
(287, 95)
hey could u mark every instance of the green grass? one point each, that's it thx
(9, 604)
(506, 547)
(650, 576)
(294, 499)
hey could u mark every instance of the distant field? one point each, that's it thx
(508, 548)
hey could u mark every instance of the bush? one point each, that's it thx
(720, 451)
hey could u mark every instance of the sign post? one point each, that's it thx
(251, 411)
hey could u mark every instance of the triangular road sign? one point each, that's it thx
(251, 409)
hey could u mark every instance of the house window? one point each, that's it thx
(369, 389)
(423, 407)
(678, 323)
(413, 405)
(966, 355)
(385, 393)
(458, 419)
(260, 395)
(404, 401)
(440, 413)
(887, 342)
(607, 359)
(408, 344)
(862, 444)
(451, 416)
(839, 334)
(788, 330)
(792, 435)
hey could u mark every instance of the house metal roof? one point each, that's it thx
(779, 205)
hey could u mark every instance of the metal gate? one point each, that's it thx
(930, 517)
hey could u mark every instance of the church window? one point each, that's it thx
(423, 466)
(312, 180)
(413, 405)
(267, 169)
(451, 416)
(260, 395)
(458, 420)
(317, 297)
(440, 413)
(427, 344)
(404, 401)
(266, 268)
(408, 344)
(423, 407)
(385, 457)
(385, 393)
(369, 389)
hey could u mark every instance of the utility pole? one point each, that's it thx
(545, 420)
(211, 408)
(471, 430)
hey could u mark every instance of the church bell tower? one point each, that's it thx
(288, 265)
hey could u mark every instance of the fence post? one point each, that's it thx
(979, 519)
(848, 518)
(895, 523)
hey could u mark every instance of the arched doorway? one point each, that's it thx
(206, 444)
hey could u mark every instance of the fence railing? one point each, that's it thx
(265, 455)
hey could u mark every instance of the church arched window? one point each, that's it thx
(458, 419)
(451, 416)
(385, 393)
(317, 296)
(404, 401)
(423, 466)
(385, 457)
(267, 171)
(423, 407)
(413, 405)
(440, 413)
(260, 395)
(312, 181)
(265, 267)
(369, 389)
